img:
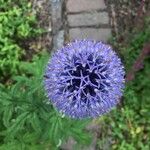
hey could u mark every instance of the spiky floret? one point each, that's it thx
(84, 79)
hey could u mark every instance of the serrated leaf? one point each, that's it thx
(17, 124)
(30, 137)
(35, 122)
(8, 111)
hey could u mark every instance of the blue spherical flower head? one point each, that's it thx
(84, 79)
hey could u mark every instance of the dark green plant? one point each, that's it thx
(28, 119)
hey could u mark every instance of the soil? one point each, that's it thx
(42, 9)
(127, 16)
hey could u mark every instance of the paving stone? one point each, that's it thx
(88, 19)
(84, 5)
(58, 40)
(90, 33)
(56, 13)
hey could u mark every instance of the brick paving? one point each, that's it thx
(88, 19)
(79, 19)
(89, 33)
(74, 6)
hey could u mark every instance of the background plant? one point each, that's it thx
(17, 23)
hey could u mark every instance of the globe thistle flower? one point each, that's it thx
(84, 79)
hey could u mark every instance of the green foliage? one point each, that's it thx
(127, 128)
(28, 119)
(17, 23)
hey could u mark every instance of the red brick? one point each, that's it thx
(88, 19)
(84, 5)
(90, 33)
